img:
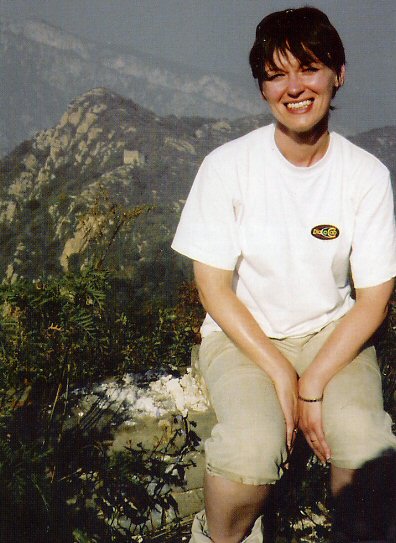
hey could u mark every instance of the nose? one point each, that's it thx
(295, 85)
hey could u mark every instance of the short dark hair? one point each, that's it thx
(304, 32)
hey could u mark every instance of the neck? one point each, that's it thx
(306, 148)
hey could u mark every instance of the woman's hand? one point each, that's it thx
(310, 422)
(310, 419)
(286, 389)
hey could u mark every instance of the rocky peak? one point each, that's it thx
(46, 66)
(47, 35)
(381, 142)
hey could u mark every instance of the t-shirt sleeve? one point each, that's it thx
(207, 231)
(373, 257)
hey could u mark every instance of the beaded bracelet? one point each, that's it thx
(310, 400)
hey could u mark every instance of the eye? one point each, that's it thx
(310, 69)
(272, 77)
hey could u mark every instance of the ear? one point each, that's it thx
(340, 79)
(262, 94)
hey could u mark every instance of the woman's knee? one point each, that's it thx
(358, 435)
(247, 457)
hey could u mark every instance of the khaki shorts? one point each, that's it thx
(247, 444)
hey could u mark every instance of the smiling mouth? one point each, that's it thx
(299, 105)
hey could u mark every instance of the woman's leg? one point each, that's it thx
(247, 446)
(232, 508)
(340, 478)
(358, 432)
(355, 423)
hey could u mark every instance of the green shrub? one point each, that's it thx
(67, 487)
(56, 476)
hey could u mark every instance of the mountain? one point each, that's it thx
(381, 142)
(43, 68)
(69, 190)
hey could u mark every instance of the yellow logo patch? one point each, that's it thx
(325, 231)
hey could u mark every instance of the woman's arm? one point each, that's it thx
(339, 350)
(219, 300)
(348, 338)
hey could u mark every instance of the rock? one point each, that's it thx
(148, 431)
(148, 413)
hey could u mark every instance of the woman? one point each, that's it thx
(275, 221)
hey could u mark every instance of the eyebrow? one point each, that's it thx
(273, 68)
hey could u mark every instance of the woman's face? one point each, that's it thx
(299, 96)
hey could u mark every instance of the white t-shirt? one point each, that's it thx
(291, 234)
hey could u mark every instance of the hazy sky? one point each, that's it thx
(217, 34)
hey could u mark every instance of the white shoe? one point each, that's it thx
(200, 534)
(256, 535)
(199, 529)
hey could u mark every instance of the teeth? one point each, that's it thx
(299, 105)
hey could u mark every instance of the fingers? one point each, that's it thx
(311, 425)
(288, 401)
(324, 447)
(291, 432)
(291, 418)
(295, 431)
(286, 390)
(316, 440)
